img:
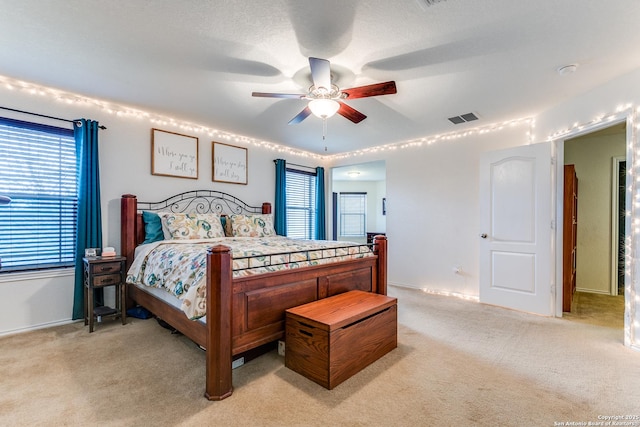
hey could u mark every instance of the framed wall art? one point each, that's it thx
(174, 154)
(229, 163)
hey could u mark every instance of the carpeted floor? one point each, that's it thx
(457, 363)
(597, 309)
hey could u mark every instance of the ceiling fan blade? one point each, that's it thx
(320, 73)
(301, 116)
(351, 113)
(278, 95)
(386, 88)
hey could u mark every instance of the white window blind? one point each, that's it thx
(39, 171)
(353, 218)
(301, 204)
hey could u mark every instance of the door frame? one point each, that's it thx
(626, 116)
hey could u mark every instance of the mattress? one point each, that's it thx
(179, 266)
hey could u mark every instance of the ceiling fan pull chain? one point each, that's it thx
(324, 128)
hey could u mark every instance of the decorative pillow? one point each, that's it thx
(152, 227)
(226, 225)
(192, 226)
(252, 225)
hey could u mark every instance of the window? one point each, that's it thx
(39, 171)
(301, 204)
(353, 218)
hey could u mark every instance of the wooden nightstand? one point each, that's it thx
(100, 272)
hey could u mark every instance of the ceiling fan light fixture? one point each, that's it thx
(324, 108)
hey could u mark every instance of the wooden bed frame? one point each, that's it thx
(246, 312)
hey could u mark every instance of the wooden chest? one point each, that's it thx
(332, 339)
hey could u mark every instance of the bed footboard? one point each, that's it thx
(248, 312)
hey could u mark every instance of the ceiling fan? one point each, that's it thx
(325, 98)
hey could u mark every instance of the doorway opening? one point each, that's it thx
(358, 201)
(599, 158)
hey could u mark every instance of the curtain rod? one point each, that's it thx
(300, 166)
(42, 115)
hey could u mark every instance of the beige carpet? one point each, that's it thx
(458, 363)
(597, 309)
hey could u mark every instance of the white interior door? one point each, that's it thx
(515, 220)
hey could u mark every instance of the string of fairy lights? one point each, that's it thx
(140, 115)
(222, 135)
(632, 223)
(624, 111)
(444, 137)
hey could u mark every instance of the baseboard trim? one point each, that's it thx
(438, 292)
(592, 291)
(400, 285)
(36, 327)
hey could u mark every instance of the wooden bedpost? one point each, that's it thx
(128, 232)
(219, 299)
(380, 249)
(266, 208)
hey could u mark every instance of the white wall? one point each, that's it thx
(590, 107)
(35, 300)
(28, 301)
(432, 209)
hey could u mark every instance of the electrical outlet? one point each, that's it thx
(281, 348)
(237, 363)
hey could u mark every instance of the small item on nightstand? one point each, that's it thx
(91, 252)
(108, 251)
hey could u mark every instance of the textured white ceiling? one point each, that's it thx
(200, 60)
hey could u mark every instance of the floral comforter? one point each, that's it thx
(179, 265)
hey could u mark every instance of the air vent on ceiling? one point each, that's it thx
(463, 118)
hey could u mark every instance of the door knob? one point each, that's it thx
(483, 235)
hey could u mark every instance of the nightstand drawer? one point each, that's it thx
(105, 267)
(106, 280)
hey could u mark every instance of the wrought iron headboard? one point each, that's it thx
(201, 201)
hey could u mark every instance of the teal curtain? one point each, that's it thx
(89, 223)
(321, 229)
(280, 215)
